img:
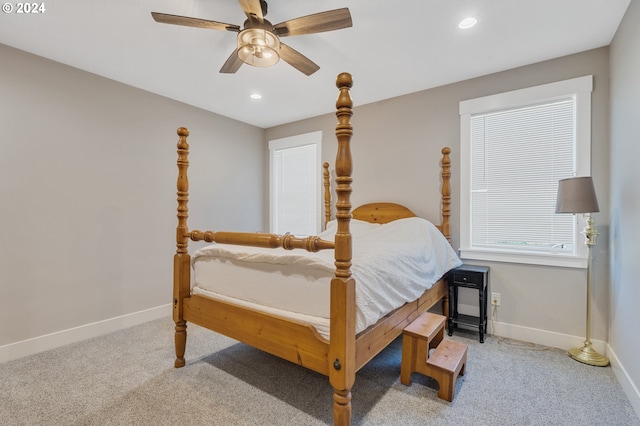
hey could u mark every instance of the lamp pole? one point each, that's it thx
(586, 354)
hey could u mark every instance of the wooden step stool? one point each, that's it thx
(424, 333)
(444, 364)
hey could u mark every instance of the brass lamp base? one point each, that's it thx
(588, 355)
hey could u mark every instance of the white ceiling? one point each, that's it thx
(394, 47)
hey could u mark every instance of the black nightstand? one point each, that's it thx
(469, 276)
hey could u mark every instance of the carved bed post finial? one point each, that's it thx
(446, 192)
(327, 193)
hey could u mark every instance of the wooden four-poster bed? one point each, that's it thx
(342, 349)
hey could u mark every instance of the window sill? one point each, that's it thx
(525, 258)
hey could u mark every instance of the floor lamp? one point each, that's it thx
(577, 195)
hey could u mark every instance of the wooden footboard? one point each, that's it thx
(294, 341)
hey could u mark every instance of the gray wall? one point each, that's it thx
(396, 147)
(88, 183)
(624, 336)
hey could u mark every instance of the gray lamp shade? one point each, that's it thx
(576, 195)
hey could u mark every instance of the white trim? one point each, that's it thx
(524, 258)
(60, 338)
(522, 97)
(581, 88)
(629, 388)
(541, 337)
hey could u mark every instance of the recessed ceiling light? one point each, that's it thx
(256, 96)
(467, 23)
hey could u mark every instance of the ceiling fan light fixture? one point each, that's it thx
(258, 47)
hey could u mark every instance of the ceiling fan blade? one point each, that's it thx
(232, 65)
(253, 9)
(193, 22)
(316, 23)
(297, 60)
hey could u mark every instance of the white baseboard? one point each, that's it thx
(542, 337)
(60, 338)
(533, 335)
(630, 389)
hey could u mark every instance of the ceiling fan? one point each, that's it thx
(259, 41)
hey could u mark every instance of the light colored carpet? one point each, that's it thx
(127, 378)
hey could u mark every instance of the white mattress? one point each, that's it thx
(392, 264)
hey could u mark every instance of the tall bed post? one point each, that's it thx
(445, 199)
(343, 293)
(445, 227)
(327, 193)
(182, 259)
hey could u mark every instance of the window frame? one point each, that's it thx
(580, 89)
(305, 139)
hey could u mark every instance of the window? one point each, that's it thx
(515, 147)
(295, 179)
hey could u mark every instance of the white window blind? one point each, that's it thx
(295, 180)
(518, 156)
(514, 148)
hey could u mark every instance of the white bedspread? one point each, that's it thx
(392, 264)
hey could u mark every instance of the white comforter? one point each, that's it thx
(392, 264)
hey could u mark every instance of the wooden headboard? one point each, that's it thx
(381, 212)
(384, 212)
